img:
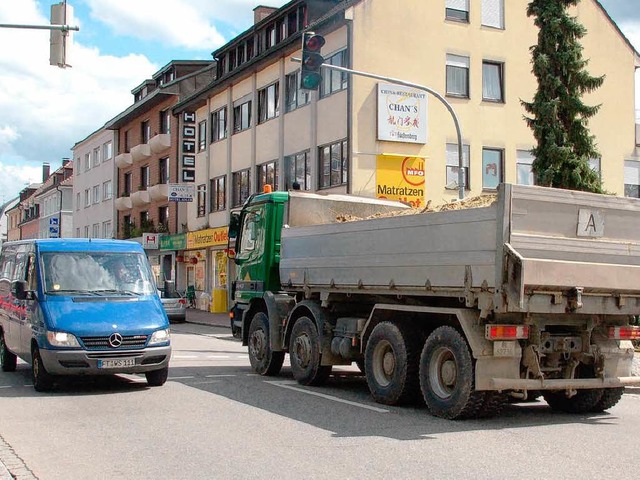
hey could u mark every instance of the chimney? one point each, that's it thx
(65, 160)
(261, 12)
(46, 171)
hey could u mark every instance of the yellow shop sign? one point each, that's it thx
(210, 237)
(401, 178)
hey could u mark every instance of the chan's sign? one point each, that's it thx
(402, 114)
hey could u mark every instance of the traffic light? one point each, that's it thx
(312, 60)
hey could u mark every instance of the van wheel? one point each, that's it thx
(305, 354)
(157, 378)
(7, 359)
(42, 380)
(263, 360)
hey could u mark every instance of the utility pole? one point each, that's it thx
(60, 39)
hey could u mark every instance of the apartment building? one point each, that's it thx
(54, 199)
(254, 125)
(93, 186)
(146, 161)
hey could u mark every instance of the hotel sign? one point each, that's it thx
(402, 114)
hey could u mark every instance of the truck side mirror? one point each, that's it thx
(19, 290)
(234, 228)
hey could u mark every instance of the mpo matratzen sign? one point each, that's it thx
(402, 114)
(401, 178)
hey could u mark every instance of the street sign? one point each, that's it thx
(54, 231)
(151, 241)
(54, 221)
(179, 192)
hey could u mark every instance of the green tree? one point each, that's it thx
(558, 117)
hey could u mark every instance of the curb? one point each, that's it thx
(4, 473)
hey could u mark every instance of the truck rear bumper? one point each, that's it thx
(562, 384)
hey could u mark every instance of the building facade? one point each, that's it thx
(55, 203)
(93, 186)
(254, 125)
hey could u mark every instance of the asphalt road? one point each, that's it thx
(215, 419)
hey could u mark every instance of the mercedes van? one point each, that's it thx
(81, 307)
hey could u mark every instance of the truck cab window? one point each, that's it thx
(250, 232)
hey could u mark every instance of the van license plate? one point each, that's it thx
(118, 363)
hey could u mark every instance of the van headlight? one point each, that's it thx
(159, 336)
(62, 339)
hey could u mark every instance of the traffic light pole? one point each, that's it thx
(461, 176)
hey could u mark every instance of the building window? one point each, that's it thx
(106, 190)
(86, 231)
(201, 197)
(493, 13)
(250, 44)
(219, 124)
(333, 163)
(145, 131)
(457, 10)
(492, 81)
(267, 175)
(202, 135)
(78, 200)
(524, 168)
(163, 218)
(96, 157)
(106, 229)
(127, 141)
(87, 161)
(453, 164)
(240, 55)
(595, 163)
(298, 170)
(292, 23)
(631, 178)
(242, 116)
(144, 177)
(144, 220)
(96, 194)
(165, 121)
(268, 102)
(294, 95)
(218, 194)
(107, 151)
(163, 170)
(126, 185)
(87, 197)
(241, 187)
(457, 76)
(491, 168)
(271, 36)
(78, 232)
(332, 80)
(96, 230)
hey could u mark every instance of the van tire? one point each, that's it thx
(157, 378)
(7, 359)
(42, 380)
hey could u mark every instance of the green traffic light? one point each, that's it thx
(310, 80)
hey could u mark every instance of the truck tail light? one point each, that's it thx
(182, 301)
(624, 333)
(506, 332)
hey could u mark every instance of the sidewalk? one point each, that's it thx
(203, 317)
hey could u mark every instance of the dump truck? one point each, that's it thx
(536, 293)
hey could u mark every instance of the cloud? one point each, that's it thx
(15, 178)
(45, 110)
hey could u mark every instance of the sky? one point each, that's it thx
(45, 110)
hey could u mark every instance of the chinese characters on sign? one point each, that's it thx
(402, 114)
(401, 178)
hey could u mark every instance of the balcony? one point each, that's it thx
(159, 192)
(124, 160)
(123, 203)
(140, 152)
(140, 198)
(159, 143)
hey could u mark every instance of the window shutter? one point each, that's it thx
(458, 5)
(457, 61)
(631, 172)
(493, 13)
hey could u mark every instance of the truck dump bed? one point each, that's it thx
(534, 250)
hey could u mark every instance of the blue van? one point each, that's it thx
(81, 307)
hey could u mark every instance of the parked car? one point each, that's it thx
(175, 305)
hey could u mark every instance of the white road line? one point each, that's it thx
(288, 384)
(216, 376)
(218, 356)
(184, 356)
(204, 383)
(5, 386)
(181, 378)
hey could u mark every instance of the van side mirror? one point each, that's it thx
(19, 290)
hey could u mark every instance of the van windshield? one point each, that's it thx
(96, 273)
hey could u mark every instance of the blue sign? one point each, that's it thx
(54, 221)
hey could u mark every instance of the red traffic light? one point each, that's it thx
(312, 60)
(313, 42)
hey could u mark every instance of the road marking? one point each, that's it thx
(184, 356)
(288, 384)
(5, 386)
(204, 382)
(181, 378)
(218, 356)
(216, 376)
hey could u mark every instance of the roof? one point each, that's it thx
(635, 52)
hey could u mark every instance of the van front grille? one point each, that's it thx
(102, 343)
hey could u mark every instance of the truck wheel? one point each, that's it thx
(305, 354)
(391, 364)
(7, 359)
(610, 396)
(584, 401)
(447, 376)
(42, 380)
(157, 378)
(492, 404)
(263, 360)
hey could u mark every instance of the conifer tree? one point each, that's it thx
(558, 117)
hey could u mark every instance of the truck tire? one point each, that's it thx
(42, 380)
(492, 404)
(447, 376)
(391, 364)
(7, 359)
(157, 378)
(584, 401)
(263, 360)
(305, 354)
(610, 396)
